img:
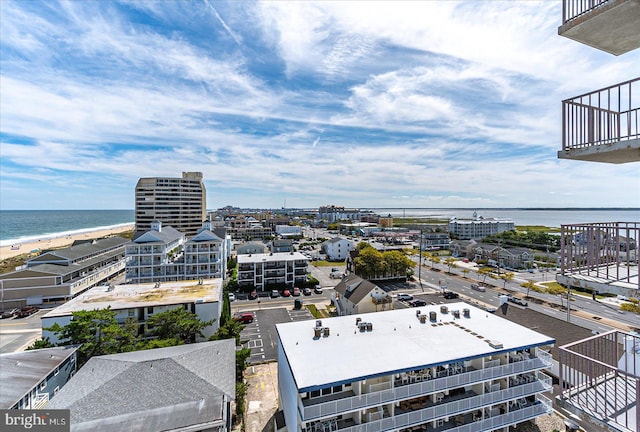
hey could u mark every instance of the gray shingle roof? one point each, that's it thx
(167, 235)
(362, 289)
(80, 251)
(163, 386)
(22, 371)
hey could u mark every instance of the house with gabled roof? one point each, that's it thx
(354, 295)
(180, 388)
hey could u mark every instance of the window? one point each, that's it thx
(131, 312)
(43, 385)
(56, 372)
(56, 390)
(150, 310)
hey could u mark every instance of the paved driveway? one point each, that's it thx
(261, 337)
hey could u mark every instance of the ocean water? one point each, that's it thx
(544, 217)
(24, 225)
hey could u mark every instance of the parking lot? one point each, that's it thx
(260, 335)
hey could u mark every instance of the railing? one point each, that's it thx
(572, 9)
(423, 388)
(540, 407)
(604, 116)
(41, 400)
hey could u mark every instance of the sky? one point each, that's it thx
(362, 104)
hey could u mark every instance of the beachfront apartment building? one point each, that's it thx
(140, 301)
(478, 227)
(273, 269)
(31, 378)
(436, 368)
(164, 254)
(59, 275)
(177, 202)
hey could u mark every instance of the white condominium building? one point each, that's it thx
(437, 368)
(262, 270)
(478, 227)
(177, 202)
(162, 254)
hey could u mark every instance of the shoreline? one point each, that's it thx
(59, 240)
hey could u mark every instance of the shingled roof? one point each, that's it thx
(158, 389)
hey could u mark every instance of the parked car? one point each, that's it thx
(27, 311)
(253, 295)
(417, 303)
(334, 269)
(286, 293)
(404, 297)
(306, 291)
(244, 317)
(451, 295)
(232, 297)
(275, 294)
(296, 292)
(317, 289)
(9, 313)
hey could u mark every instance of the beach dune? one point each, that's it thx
(16, 249)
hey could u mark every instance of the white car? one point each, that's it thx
(404, 297)
(232, 297)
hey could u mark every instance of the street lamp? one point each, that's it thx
(420, 261)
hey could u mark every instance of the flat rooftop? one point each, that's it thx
(397, 342)
(130, 296)
(273, 257)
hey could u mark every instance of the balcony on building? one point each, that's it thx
(607, 25)
(603, 125)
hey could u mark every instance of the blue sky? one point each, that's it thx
(380, 104)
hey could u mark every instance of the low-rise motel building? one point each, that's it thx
(436, 368)
(140, 301)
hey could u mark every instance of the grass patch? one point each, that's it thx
(536, 228)
(323, 263)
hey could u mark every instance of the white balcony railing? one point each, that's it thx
(409, 391)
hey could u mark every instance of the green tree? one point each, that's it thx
(506, 277)
(97, 331)
(369, 263)
(178, 324)
(530, 285)
(229, 330)
(450, 262)
(397, 263)
(484, 271)
(434, 258)
(40, 343)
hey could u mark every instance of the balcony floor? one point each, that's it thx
(616, 153)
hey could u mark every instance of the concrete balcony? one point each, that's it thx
(604, 125)
(321, 407)
(607, 25)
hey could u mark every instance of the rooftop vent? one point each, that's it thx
(418, 313)
(325, 331)
(433, 316)
(318, 323)
(495, 344)
(444, 309)
(423, 318)
(317, 332)
(456, 313)
(358, 320)
(466, 312)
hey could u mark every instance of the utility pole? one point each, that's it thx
(420, 262)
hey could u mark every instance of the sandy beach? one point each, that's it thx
(58, 242)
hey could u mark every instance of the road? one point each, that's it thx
(435, 279)
(18, 333)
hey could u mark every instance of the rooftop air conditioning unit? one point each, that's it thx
(325, 331)
(317, 332)
(444, 309)
(456, 313)
(318, 323)
(466, 312)
(423, 318)
(358, 320)
(433, 316)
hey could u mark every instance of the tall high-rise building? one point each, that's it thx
(177, 202)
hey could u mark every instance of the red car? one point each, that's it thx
(244, 317)
(286, 293)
